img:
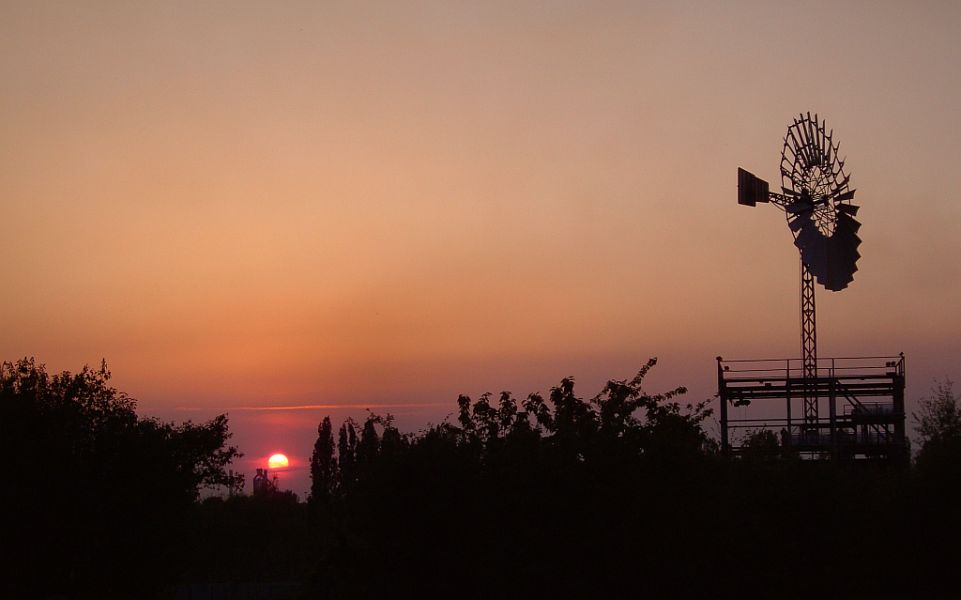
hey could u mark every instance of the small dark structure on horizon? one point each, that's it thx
(816, 200)
(263, 484)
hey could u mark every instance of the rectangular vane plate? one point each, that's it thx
(750, 189)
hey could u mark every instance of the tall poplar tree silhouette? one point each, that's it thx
(323, 465)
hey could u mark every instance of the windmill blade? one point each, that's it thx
(846, 248)
(814, 138)
(845, 243)
(848, 209)
(846, 224)
(836, 278)
(846, 232)
(840, 269)
(846, 261)
(798, 148)
(825, 144)
(789, 148)
(833, 280)
(804, 228)
(836, 284)
(800, 141)
(813, 134)
(795, 176)
(808, 144)
(840, 186)
(815, 264)
(811, 243)
(848, 195)
(843, 259)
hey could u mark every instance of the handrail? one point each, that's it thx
(830, 364)
(736, 360)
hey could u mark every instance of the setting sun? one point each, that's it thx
(278, 461)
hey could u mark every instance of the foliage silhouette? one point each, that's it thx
(323, 464)
(938, 423)
(99, 495)
(509, 485)
(620, 494)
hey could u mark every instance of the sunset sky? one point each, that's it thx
(290, 209)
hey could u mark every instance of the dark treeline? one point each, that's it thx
(622, 493)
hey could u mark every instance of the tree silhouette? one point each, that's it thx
(938, 424)
(938, 419)
(369, 445)
(323, 464)
(101, 495)
(347, 453)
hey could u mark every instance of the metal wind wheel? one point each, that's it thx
(816, 200)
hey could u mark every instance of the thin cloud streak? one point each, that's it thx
(354, 406)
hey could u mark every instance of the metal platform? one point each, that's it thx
(862, 396)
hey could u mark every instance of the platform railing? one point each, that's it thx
(793, 368)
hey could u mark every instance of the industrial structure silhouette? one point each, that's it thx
(816, 199)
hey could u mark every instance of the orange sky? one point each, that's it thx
(247, 204)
